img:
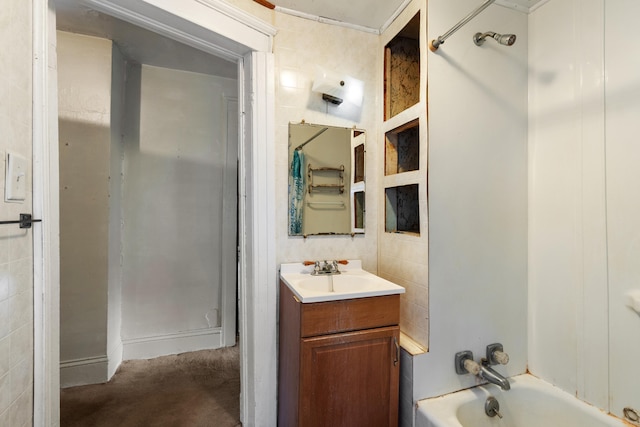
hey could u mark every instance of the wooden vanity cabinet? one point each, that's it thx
(338, 362)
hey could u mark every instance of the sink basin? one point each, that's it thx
(353, 282)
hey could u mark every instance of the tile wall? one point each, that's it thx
(16, 264)
(299, 47)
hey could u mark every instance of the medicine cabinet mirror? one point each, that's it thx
(326, 180)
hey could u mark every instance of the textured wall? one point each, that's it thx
(84, 70)
(16, 264)
(114, 304)
(175, 155)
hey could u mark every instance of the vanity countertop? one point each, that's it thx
(352, 282)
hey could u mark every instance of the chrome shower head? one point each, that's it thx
(503, 39)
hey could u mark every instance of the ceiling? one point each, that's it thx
(149, 48)
(137, 44)
(371, 15)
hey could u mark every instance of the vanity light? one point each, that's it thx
(336, 87)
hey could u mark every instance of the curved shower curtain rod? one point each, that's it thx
(435, 44)
(299, 147)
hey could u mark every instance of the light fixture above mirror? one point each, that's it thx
(337, 88)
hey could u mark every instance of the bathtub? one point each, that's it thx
(531, 402)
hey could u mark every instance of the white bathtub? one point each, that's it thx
(531, 402)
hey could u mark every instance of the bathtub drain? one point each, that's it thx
(492, 407)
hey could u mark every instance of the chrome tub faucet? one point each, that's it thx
(487, 373)
(495, 355)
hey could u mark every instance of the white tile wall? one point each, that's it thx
(16, 281)
(299, 47)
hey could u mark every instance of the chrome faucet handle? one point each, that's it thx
(316, 267)
(465, 364)
(501, 357)
(496, 354)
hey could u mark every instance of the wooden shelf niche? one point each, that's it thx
(402, 69)
(402, 212)
(402, 149)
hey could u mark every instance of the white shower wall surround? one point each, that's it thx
(583, 215)
(477, 196)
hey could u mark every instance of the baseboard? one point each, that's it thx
(162, 345)
(90, 370)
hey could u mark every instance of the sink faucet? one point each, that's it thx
(327, 267)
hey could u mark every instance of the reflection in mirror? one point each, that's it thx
(326, 180)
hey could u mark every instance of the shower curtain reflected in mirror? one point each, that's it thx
(296, 193)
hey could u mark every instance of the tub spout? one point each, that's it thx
(487, 373)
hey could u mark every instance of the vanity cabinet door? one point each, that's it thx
(350, 379)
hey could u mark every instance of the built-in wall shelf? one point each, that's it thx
(402, 148)
(402, 210)
(402, 69)
(404, 233)
(412, 113)
(402, 115)
(401, 179)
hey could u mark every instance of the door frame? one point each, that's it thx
(229, 264)
(225, 31)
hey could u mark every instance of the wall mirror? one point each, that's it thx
(326, 180)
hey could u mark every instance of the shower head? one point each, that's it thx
(503, 39)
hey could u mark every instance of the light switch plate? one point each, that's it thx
(16, 178)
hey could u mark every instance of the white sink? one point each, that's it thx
(352, 282)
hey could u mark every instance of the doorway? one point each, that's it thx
(222, 30)
(147, 197)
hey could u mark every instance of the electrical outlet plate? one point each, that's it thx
(16, 178)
